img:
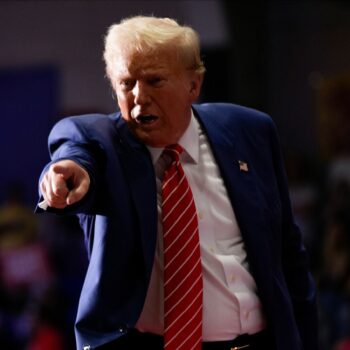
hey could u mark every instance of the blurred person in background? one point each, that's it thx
(334, 276)
(246, 276)
(25, 269)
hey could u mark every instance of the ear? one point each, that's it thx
(196, 81)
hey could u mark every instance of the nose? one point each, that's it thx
(141, 96)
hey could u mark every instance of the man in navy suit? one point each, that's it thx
(257, 289)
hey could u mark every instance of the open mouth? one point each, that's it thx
(146, 119)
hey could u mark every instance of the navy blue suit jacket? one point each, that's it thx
(119, 218)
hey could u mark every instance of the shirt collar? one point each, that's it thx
(189, 141)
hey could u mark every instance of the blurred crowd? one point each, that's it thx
(322, 210)
(333, 270)
(42, 266)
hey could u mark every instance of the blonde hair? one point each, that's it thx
(149, 34)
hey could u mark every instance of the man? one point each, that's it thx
(162, 172)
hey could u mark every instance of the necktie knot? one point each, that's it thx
(173, 151)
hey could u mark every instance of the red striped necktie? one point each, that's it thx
(183, 284)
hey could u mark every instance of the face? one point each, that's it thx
(155, 93)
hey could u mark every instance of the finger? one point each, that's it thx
(43, 188)
(76, 194)
(50, 197)
(59, 185)
(44, 203)
(63, 169)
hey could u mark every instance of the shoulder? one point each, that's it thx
(87, 125)
(232, 115)
(88, 120)
(230, 110)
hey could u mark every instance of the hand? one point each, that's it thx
(65, 183)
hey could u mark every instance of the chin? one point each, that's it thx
(152, 140)
(156, 144)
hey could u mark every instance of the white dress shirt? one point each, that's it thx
(230, 303)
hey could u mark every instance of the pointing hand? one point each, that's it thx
(65, 183)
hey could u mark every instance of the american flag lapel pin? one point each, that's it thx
(243, 166)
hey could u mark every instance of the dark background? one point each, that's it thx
(290, 59)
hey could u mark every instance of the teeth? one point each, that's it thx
(146, 119)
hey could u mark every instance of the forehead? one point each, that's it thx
(137, 62)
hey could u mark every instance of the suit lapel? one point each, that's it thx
(242, 189)
(139, 172)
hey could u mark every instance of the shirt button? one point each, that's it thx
(232, 278)
(246, 314)
(212, 250)
(200, 215)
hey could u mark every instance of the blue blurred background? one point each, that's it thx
(290, 59)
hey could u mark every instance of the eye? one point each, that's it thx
(156, 80)
(127, 84)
